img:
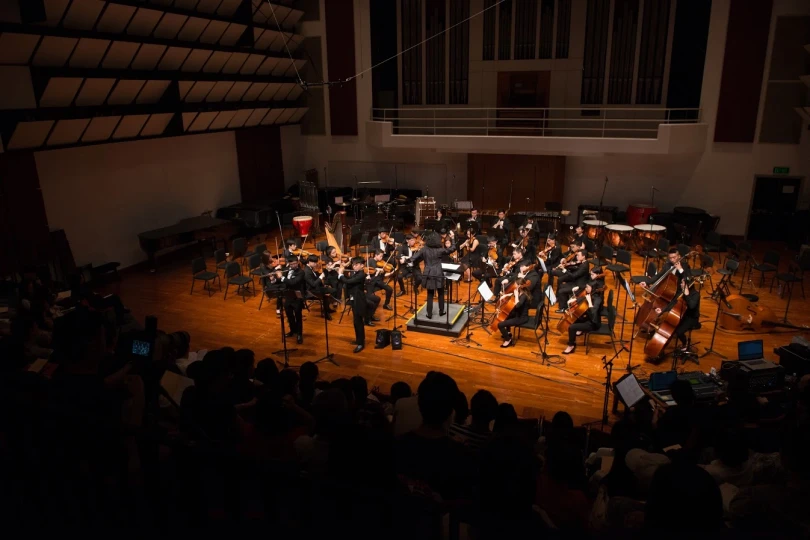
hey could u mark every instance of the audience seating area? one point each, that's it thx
(131, 426)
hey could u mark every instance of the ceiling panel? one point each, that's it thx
(284, 117)
(235, 62)
(256, 116)
(295, 92)
(157, 124)
(144, 22)
(54, 9)
(216, 61)
(213, 31)
(271, 90)
(94, 92)
(17, 90)
(174, 58)
(217, 94)
(184, 87)
(152, 91)
(188, 118)
(170, 25)
(254, 91)
(202, 121)
(208, 6)
(148, 57)
(299, 113)
(185, 4)
(222, 120)
(192, 29)
(54, 51)
(115, 18)
(130, 126)
(82, 14)
(196, 60)
(237, 91)
(119, 55)
(199, 91)
(239, 118)
(232, 34)
(30, 134)
(125, 92)
(271, 116)
(252, 64)
(228, 7)
(88, 53)
(16, 48)
(100, 128)
(67, 131)
(268, 65)
(60, 91)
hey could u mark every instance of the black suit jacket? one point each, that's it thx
(314, 284)
(355, 290)
(554, 257)
(578, 275)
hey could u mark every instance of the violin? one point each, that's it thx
(544, 254)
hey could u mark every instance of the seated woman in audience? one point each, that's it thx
(483, 408)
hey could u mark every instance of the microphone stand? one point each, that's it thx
(467, 339)
(602, 199)
(630, 367)
(329, 356)
(721, 299)
(545, 358)
(285, 351)
(607, 365)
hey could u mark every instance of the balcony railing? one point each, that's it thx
(603, 122)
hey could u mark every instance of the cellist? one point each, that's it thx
(592, 319)
(691, 315)
(519, 314)
(674, 260)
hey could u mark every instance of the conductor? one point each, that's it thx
(432, 275)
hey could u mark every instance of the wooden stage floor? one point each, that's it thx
(513, 375)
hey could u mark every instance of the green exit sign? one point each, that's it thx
(781, 170)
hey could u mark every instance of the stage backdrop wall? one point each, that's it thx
(104, 195)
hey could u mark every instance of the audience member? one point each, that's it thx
(683, 499)
(483, 408)
(308, 373)
(505, 418)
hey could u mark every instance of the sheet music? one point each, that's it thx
(629, 390)
(448, 267)
(550, 295)
(543, 265)
(590, 302)
(485, 291)
(62, 295)
(627, 288)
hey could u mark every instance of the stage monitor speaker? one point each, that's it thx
(396, 340)
(383, 339)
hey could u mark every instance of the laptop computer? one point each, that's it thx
(750, 350)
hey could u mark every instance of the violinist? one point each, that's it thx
(592, 319)
(378, 277)
(475, 250)
(292, 279)
(674, 260)
(551, 256)
(382, 242)
(575, 275)
(353, 282)
(509, 271)
(579, 237)
(314, 279)
(330, 262)
(407, 268)
(445, 223)
(493, 261)
(449, 242)
(527, 240)
(290, 248)
(519, 314)
(691, 315)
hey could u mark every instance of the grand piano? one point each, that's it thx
(185, 231)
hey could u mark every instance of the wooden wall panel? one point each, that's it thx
(749, 24)
(339, 21)
(261, 170)
(540, 179)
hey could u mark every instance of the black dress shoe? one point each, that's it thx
(327, 316)
(430, 315)
(289, 334)
(560, 311)
(387, 307)
(401, 293)
(375, 319)
(442, 313)
(299, 338)
(358, 349)
(370, 323)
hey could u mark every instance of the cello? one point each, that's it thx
(665, 324)
(578, 307)
(507, 302)
(739, 314)
(658, 295)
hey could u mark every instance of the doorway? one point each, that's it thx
(773, 207)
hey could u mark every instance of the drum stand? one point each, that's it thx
(721, 299)
(324, 298)
(545, 358)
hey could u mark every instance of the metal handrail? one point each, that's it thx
(425, 119)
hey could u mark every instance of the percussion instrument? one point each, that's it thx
(425, 209)
(640, 213)
(302, 225)
(594, 228)
(618, 235)
(649, 234)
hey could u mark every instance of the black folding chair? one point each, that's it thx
(201, 273)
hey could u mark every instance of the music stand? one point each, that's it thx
(285, 296)
(546, 358)
(431, 224)
(721, 299)
(395, 277)
(325, 298)
(627, 293)
(467, 339)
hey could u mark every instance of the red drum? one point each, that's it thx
(640, 213)
(302, 224)
(618, 235)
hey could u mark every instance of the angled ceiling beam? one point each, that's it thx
(157, 75)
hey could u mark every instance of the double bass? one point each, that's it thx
(506, 302)
(739, 314)
(664, 325)
(658, 295)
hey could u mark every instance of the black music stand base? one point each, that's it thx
(545, 358)
(710, 349)
(467, 340)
